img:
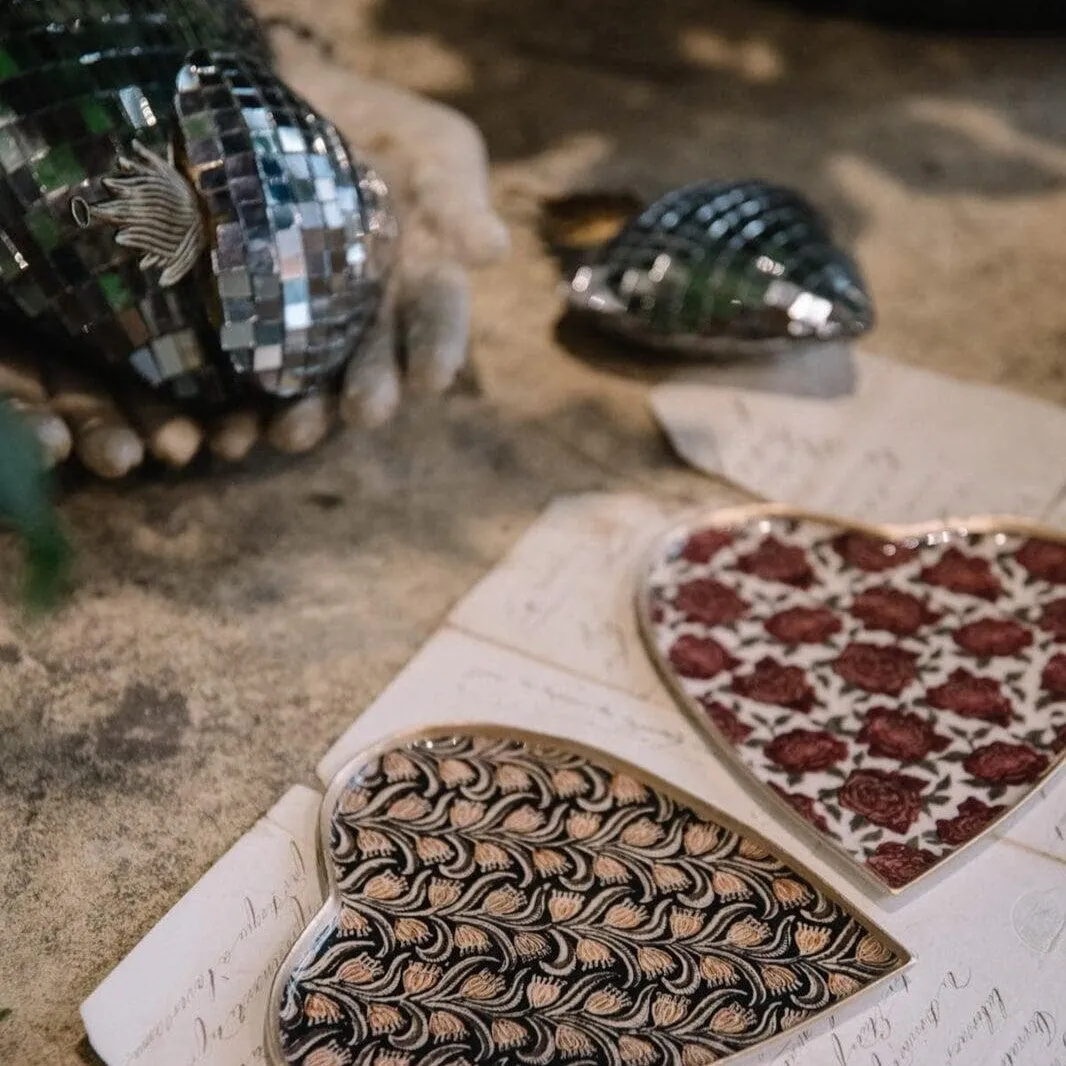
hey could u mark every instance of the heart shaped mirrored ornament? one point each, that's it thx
(901, 691)
(171, 212)
(722, 268)
(504, 899)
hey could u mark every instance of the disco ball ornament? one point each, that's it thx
(171, 212)
(723, 268)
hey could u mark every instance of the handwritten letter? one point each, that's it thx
(886, 443)
(545, 643)
(565, 593)
(194, 991)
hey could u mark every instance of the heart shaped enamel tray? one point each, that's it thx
(902, 690)
(509, 898)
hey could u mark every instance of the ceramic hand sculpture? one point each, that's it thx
(192, 250)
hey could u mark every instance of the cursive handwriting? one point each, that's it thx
(984, 1022)
(205, 988)
(206, 1034)
(875, 1029)
(895, 443)
(876, 1044)
(1041, 1029)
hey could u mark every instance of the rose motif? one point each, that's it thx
(705, 544)
(804, 806)
(993, 636)
(771, 682)
(899, 864)
(1054, 619)
(773, 560)
(700, 657)
(971, 818)
(709, 602)
(1053, 678)
(890, 800)
(894, 611)
(872, 554)
(800, 750)
(1005, 764)
(1044, 559)
(958, 572)
(972, 697)
(803, 625)
(900, 735)
(726, 722)
(877, 668)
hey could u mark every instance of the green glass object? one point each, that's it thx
(26, 506)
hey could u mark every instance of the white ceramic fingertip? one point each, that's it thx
(436, 327)
(371, 391)
(481, 238)
(109, 450)
(374, 401)
(302, 426)
(170, 437)
(52, 433)
(234, 436)
(103, 439)
(176, 441)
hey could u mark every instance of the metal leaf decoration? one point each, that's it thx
(155, 211)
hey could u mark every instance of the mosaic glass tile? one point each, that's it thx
(191, 81)
(723, 268)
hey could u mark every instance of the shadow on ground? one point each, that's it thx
(753, 76)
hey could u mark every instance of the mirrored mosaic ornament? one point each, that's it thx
(171, 211)
(901, 690)
(507, 899)
(723, 268)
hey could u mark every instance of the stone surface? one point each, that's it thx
(227, 628)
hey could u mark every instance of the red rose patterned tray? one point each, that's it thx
(902, 690)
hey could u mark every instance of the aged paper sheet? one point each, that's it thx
(861, 436)
(195, 989)
(989, 984)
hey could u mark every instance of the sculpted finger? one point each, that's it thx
(21, 380)
(370, 393)
(436, 323)
(103, 439)
(172, 438)
(234, 436)
(109, 449)
(302, 425)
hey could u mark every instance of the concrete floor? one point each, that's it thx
(226, 629)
